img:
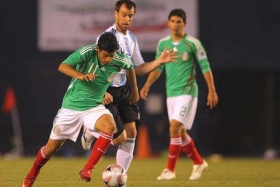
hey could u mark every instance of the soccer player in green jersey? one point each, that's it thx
(182, 92)
(92, 69)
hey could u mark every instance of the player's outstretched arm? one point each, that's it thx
(165, 57)
(153, 76)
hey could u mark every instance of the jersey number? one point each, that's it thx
(183, 111)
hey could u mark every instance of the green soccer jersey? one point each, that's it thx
(181, 75)
(83, 95)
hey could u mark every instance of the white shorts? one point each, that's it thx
(183, 109)
(67, 123)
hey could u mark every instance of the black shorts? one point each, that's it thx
(122, 111)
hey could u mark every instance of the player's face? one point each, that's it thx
(105, 57)
(124, 18)
(176, 25)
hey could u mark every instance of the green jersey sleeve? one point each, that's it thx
(78, 57)
(122, 61)
(201, 57)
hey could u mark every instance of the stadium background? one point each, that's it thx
(242, 41)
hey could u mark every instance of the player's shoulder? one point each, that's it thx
(165, 39)
(87, 49)
(192, 39)
(122, 60)
(121, 57)
(111, 29)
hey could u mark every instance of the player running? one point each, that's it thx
(92, 69)
(121, 96)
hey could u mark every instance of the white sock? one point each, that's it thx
(125, 153)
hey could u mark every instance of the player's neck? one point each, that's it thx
(124, 32)
(178, 37)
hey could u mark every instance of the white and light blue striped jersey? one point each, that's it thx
(129, 46)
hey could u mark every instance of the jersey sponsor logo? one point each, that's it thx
(185, 56)
(175, 49)
(56, 130)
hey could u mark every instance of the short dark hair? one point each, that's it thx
(178, 12)
(108, 42)
(129, 4)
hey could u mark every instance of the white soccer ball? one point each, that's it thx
(114, 176)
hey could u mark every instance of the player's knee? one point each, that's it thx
(106, 124)
(175, 128)
(109, 128)
(184, 134)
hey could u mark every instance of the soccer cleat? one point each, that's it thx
(166, 174)
(85, 174)
(86, 139)
(198, 170)
(28, 182)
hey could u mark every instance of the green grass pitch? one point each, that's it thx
(228, 172)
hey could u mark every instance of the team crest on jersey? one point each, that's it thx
(56, 130)
(110, 78)
(185, 56)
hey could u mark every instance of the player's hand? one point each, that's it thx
(134, 96)
(212, 99)
(88, 77)
(144, 92)
(107, 99)
(168, 56)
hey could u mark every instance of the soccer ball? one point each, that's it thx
(114, 176)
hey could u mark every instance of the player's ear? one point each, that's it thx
(168, 21)
(97, 48)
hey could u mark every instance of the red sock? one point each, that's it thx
(100, 147)
(188, 147)
(39, 162)
(174, 151)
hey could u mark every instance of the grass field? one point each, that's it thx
(63, 172)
